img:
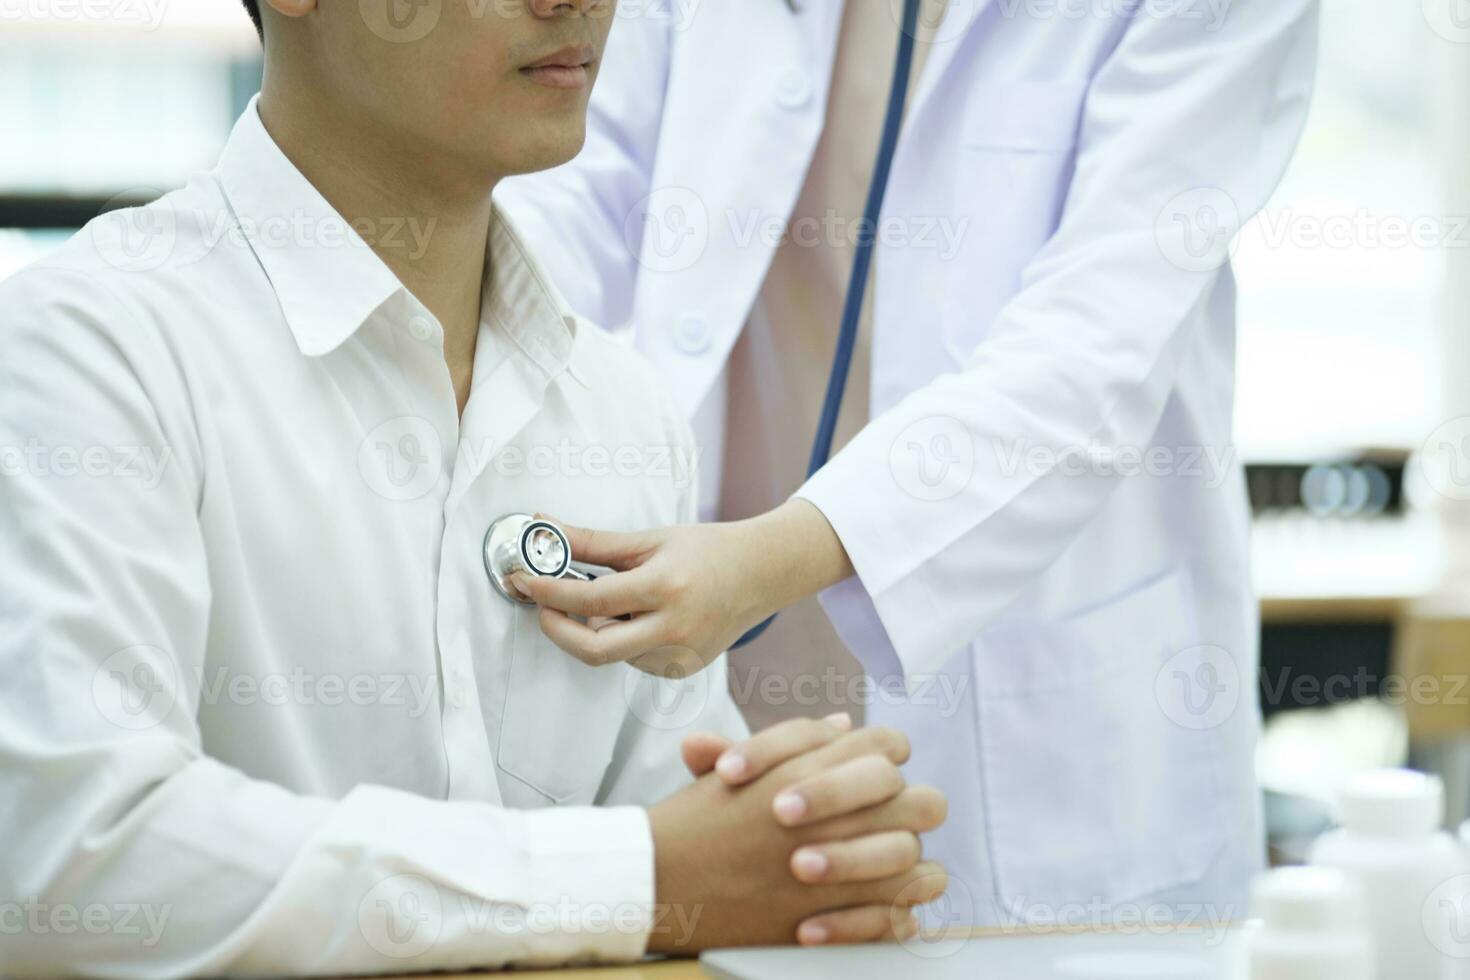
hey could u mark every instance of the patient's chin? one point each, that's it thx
(552, 145)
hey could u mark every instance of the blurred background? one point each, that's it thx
(1354, 409)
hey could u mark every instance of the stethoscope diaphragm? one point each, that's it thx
(533, 545)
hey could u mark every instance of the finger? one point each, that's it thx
(884, 742)
(918, 809)
(868, 924)
(868, 858)
(764, 751)
(671, 663)
(615, 643)
(846, 788)
(605, 597)
(925, 882)
(517, 582)
(701, 749)
(613, 549)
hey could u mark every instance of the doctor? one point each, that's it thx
(1034, 515)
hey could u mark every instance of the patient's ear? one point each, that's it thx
(701, 750)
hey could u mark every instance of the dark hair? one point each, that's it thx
(252, 7)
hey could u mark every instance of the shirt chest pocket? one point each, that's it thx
(560, 718)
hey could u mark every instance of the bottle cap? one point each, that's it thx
(1307, 899)
(1392, 803)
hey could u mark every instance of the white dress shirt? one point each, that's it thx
(261, 710)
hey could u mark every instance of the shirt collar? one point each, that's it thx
(329, 281)
(521, 301)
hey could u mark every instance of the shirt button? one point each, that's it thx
(692, 334)
(793, 88)
(421, 328)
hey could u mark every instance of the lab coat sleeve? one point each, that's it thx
(647, 761)
(1082, 360)
(579, 216)
(128, 851)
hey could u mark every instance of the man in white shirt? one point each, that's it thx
(262, 710)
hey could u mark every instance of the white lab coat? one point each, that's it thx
(1046, 515)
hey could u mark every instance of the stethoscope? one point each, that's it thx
(522, 543)
(532, 546)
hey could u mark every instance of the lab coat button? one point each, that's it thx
(421, 328)
(793, 89)
(692, 334)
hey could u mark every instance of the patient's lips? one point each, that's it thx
(565, 68)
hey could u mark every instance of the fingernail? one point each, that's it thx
(812, 934)
(841, 719)
(732, 765)
(809, 863)
(789, 807)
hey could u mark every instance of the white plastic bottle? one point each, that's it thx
(1312, 927)
(1390, 843)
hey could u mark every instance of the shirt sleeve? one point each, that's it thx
(128, 850)
(1184, 113)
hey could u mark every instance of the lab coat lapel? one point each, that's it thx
(961, 17)
(821, 26)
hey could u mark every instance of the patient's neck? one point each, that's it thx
(375, 180)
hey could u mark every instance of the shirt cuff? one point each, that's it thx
(596, 863)
(891, 626)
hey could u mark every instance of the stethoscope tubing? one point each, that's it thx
(862, 264)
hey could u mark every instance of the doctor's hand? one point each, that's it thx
(842, 867)
(686, 593)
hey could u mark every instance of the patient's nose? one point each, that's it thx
(554, 8)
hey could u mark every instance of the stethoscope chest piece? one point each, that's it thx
(523, 543)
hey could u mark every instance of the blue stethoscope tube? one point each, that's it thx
(862, 260)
